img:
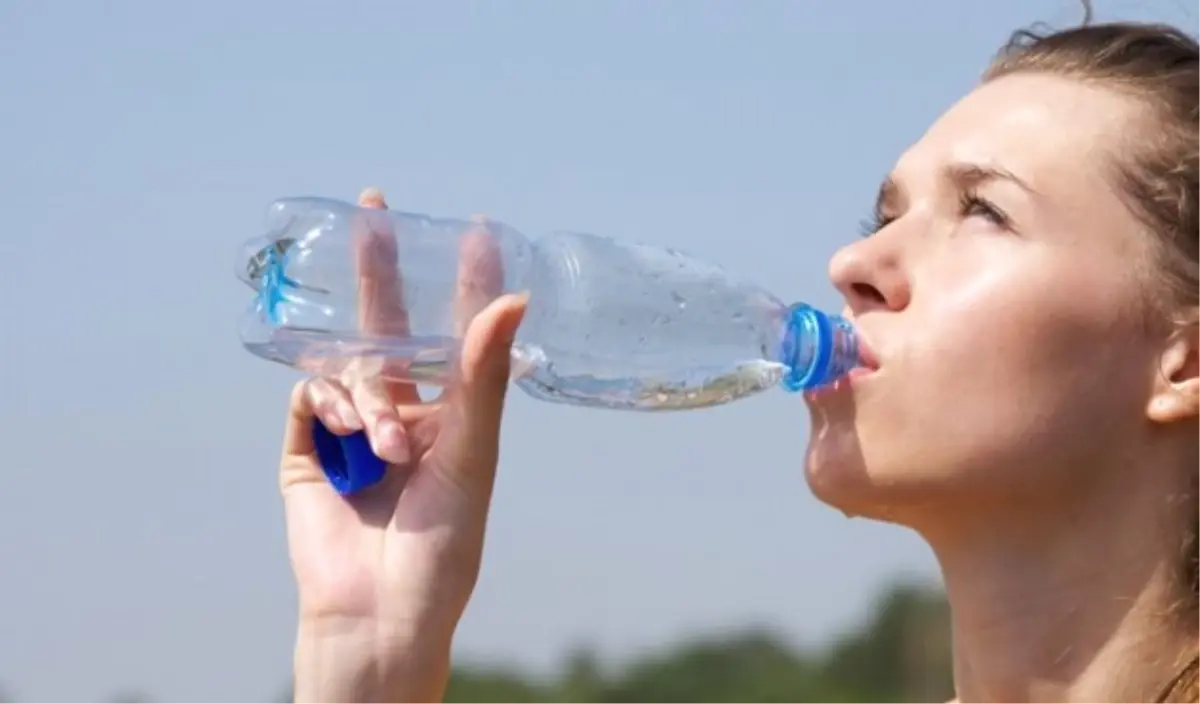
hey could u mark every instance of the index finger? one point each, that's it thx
(382, 311)
(480, 276)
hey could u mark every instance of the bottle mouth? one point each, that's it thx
(816, 348)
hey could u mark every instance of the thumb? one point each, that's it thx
(482, 382)
(298, 463)
(297, 434)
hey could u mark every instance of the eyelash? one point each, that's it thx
(969, 203)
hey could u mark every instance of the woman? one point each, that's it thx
(1029, 290)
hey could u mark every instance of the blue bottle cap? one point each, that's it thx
(816, 347)
(348, 462)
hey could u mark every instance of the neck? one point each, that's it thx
(1072, 604)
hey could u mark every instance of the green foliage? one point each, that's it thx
(491, 684)
(901, 654)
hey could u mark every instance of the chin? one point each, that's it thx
(837, 475)
(849, 489)
(893, 491)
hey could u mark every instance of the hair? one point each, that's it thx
(1157, 174)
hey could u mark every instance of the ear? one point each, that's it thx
(1176, 394)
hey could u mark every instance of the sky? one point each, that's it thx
(140, 143)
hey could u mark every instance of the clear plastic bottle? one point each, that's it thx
(343, 289)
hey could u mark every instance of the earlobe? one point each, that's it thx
(1176, 394)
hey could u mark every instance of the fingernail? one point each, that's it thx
(349, 416)
(509, 331)
(393, 445)
(372, 196)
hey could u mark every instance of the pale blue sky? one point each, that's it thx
(139, 145)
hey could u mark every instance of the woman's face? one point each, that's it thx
(1003, 297)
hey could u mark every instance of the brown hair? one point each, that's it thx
(1157, 65)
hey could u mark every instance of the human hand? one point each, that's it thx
(391, 569)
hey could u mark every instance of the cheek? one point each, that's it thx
(1001, 376)
(1015, 352)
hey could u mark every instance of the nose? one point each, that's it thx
(870, 275)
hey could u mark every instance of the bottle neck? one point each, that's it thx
(817, 348)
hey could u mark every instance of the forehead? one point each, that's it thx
(1055, 133)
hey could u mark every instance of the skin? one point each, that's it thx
(384, 576)
(1019, 410)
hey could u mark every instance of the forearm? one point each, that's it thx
(347, 661)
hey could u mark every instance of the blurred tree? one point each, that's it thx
(583, 678)
(752, 666)
(901, 653)
(492, 684)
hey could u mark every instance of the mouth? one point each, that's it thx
(835, 388)
(868, 359)
(868, 364)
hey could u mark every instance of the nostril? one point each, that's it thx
(868, 292)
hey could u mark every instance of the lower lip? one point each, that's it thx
(843, 384)
(859, 373)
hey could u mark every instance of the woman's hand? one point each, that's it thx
(385, 575)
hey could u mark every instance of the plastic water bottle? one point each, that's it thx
(349, 291)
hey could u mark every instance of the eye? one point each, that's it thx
(973, 205)
(875, 222)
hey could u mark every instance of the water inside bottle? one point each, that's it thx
(697, 388)
(430, 360)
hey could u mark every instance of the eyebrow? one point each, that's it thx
(888, 196)
(963, 175)
(971, 175)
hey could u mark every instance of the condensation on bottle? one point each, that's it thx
(343, 290)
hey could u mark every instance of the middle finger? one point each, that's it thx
(382, 309)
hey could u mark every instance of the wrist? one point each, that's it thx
(364, 660)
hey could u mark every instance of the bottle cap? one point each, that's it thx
(348, 462)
